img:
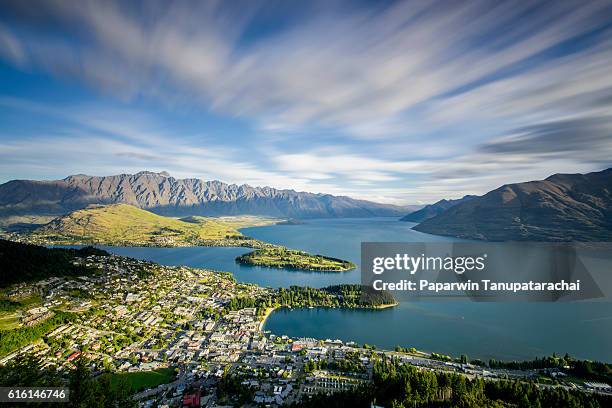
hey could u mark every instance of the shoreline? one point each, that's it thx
(137, 244)
(248, 245)
(387, 306)
(290, 268)
(270, 310)
(265, 316)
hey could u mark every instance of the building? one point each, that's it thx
(191, 400)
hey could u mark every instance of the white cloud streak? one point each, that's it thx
(427, 93)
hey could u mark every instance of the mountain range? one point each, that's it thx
(431, 210)
(166, 195)
(563, 207)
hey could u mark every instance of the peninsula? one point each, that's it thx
(126, 225)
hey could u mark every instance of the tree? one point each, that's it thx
(82, 388)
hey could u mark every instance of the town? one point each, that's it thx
(202, 333)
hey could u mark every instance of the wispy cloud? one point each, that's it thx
(559, 138)
(100, 143)
(409, 101)
(340, 65)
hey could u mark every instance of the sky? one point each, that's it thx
(400, 102)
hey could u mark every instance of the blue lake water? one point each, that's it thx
(340, 238)
(481, 330)
(507, 331)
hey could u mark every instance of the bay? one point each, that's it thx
(508, 331)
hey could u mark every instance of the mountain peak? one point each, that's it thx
(166, 195)
(563, 207)
(431, 210)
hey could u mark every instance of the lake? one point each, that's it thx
(339, 238)
(481, 330)
(506, 331)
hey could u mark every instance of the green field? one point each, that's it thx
(11, 340)
(139, 381)
(122, 224)
(279, 257)
(9, 318)
(11, 305)
(9, 321)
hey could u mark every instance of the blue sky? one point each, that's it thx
(402, 102)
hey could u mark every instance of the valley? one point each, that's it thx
(162, 329)
(279, 301)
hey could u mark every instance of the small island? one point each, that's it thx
(280, 257)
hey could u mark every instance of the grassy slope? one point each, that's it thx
(8, 321)
(122, 224)
(119, 223)
(9, 316)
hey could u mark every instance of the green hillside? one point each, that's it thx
(126, 225)
(122, 224)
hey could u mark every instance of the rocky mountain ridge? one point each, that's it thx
(166, 195)
(431, 210)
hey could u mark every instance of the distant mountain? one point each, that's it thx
(563, 207)
(166, 195)
(431, 210)
(125, 224)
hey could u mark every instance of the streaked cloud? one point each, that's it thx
(584, 138)
(408, 101)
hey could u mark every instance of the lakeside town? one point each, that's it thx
(204, 332)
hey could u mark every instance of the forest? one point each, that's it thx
(348, 296)
(590, 370)
(398, 385)
(86, 391)
(24, 262)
